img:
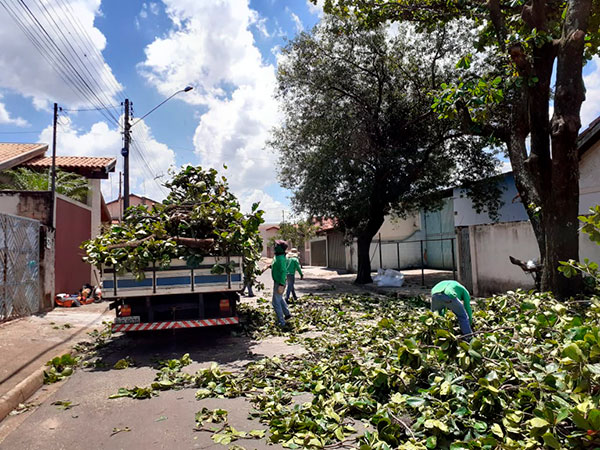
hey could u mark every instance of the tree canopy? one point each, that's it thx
(505, 93)
(360, 139)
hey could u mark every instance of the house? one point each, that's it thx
(484, 246)
(115, 207)
(64, 223)
(267, 232)
(424, 238)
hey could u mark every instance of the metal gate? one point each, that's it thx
(439, 229)
(336, 251)
(19, 266)
(318, 253)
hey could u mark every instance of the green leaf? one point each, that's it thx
(574, 352)
(551, 441)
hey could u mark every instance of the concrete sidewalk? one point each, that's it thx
(317, 278)
(27, 344)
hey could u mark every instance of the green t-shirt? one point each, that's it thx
(279, 269)
(293, 266)
(456, 290)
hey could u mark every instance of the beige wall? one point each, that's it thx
(267, 231)
(491, 245)
(589, 179)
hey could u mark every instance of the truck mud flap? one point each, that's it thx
(175, 324)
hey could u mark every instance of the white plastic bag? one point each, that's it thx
(389, 278)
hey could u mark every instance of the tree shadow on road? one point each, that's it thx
(223, 345)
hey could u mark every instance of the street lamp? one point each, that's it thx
(127, 138)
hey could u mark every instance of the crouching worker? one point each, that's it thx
(452, 295)
(279, 275)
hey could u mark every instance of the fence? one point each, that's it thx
(19, 266)
(418, 254)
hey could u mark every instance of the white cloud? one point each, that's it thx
(268, 204)
(315, 9)
(297, 22)
(154, 8)
(6, 119)
(211, 47)
(261, 25)
(102, 140)
(25, 71)
(590, 109)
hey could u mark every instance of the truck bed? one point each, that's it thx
(179, 278)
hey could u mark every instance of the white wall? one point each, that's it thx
(393, 229)
(491, 245)
(589, 179)
(512, 209)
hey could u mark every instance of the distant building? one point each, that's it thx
(115, 207)
(268, 231)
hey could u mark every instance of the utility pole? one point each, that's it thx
(125, 153)
(53, 172)
(120, 199)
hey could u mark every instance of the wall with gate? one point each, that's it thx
(73, 226)
(19, 267)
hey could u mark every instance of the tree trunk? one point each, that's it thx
(363, 274)
(560, 215)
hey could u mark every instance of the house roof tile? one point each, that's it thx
(92, 167)
(13, 154)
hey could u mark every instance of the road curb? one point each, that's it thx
(21, 392)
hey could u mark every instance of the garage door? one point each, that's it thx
(318, 253)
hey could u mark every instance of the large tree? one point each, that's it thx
(360, 140)
(530, 45)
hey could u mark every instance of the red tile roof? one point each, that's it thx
(93, 167)
(72, 162)
(13, 154)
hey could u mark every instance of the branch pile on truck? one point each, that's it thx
(180, 263)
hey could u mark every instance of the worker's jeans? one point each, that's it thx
(248, 285)
(280, 306)
(440, 301)
(290, 287)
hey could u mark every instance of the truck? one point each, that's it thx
(176, 297)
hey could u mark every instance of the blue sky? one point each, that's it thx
(226, 49)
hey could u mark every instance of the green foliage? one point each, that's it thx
(296, 234)
(360, 139)
(199, 206)
(124, 363)
(60, 368)
(67, 183)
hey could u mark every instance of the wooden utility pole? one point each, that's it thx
(53, 170)
(125, 153)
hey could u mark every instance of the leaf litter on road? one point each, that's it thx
(528, 377)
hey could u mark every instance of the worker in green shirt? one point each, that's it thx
(279, 275)
(293, 266)
(452, 295)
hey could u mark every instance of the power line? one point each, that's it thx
(102, 96)
(35, 31)
(92, 108)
